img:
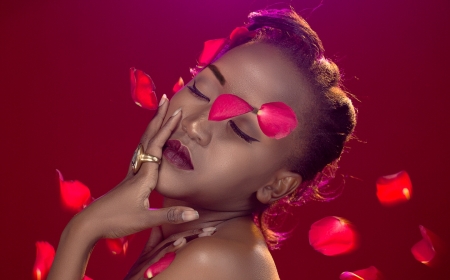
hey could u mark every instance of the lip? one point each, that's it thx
(178, 154)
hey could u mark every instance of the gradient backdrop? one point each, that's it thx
(65, 104)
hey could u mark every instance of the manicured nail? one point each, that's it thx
(178, 241)
(176, 112)
(207, 233)
(209, 229)
(163, 100)
(189, 215)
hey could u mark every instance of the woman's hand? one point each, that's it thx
(123, 210)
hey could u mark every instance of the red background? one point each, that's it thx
(65, 104)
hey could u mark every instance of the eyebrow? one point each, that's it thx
(217, 73)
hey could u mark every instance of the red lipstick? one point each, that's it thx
(178, 154)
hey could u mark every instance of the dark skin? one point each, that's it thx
(230, 177)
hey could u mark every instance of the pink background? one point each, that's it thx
(65, 104)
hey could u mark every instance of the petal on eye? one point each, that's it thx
(178, 85)
(160, 265)
(276, 119)
(74, 195)
(370, 273)
(227, 106)
(429, 248)
(210, 49)
(143, 89)
(118, 246)
(394, 189)
(45, 253)
(333, 236)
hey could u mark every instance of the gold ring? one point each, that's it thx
(140, 157)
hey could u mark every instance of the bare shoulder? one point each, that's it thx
(222, 256)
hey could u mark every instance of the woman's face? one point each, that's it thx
(228, 170)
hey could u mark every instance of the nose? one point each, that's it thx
(196, 126)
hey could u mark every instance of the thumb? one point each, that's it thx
(170, 215)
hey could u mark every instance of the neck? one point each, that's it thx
(207, 218)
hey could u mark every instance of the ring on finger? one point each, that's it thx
(140, 157)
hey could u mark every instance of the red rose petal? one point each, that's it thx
(370, 273)
(74, 195)
(160, 265)
(237, 32)
(143, 89)
(276, 119)
(332, 236)
(429, 248)
(45, 253)
(178, 85)
(118, 246)
(210, 49)
(395, 188)
(87, 278)
(227, 106)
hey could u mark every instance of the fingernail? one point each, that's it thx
(209, 229)
(203, 234)
(176, 112)
(178, 241)
(163, 99)
(189, 215)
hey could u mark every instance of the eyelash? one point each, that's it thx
(241, 134)
(197, 93)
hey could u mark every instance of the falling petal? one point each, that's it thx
(227, 106)
(333, 236)
(429, 248)
(178, 85)
(276, 119)
(118, 246)
(45, 253)
(210, 49)
(87, 278)
(143, 89)
(160, 265)
(370, 273)
(74, 195)
(395, 188)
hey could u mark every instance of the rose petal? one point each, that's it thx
(118, 246)
(333, 236)
(429, 248)
(87, 278)
(210, 49)
(370, 273)
(143, 89)
(178, 85)
(160, 265)
(74, 195)
(395, 188)
(227, 106)
(276, 119)
(45, 253)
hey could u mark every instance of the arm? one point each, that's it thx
(122, 211)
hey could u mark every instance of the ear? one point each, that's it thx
(285, 183)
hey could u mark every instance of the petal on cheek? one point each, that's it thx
(143, 89)
(276, 119)
(370, 273)
(228, 106)
(160, 265)
(74, 195)
(394, 189)
(45, 253)
(333, 236)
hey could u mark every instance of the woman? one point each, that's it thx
(234, 174)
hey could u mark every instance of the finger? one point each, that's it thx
(155, 124)
(156, 237)
(171, 215)
(156, 144)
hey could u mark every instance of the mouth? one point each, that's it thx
(178, 154)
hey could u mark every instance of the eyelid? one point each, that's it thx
(197, 92)
(240, 133)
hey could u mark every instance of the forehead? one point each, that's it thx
(261, 73)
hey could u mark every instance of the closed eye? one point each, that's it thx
(194, 90)
(241, 134)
